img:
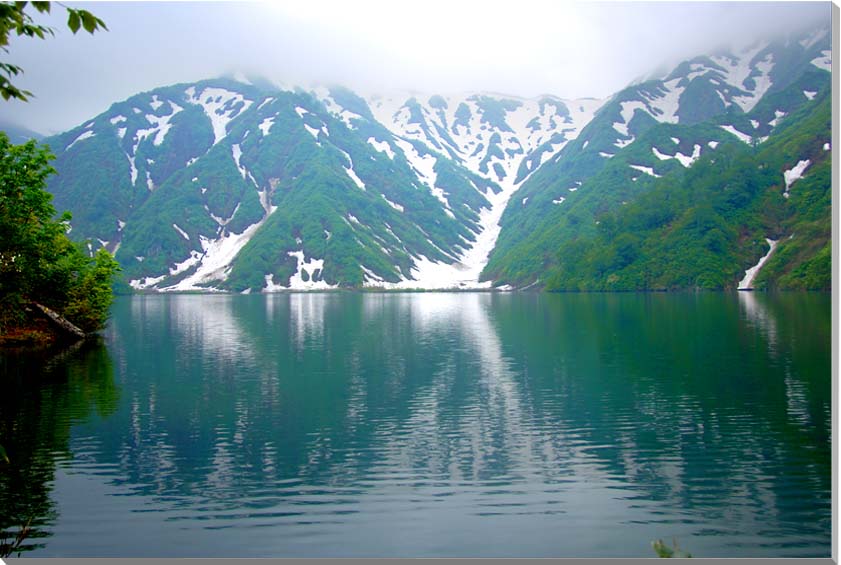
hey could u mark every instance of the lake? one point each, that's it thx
(428, 424)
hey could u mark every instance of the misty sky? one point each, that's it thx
(521, 47)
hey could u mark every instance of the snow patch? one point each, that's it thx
(117, 119)
(382, 147)
(218, 254)
(627, 112)
(236, 153)
(646, 170)
(424, 167)
(313, 131)
(742, 136)
(186, 264)
(620, 143)
(132, 169)
(685, 160)
(140, 284)
(793, 174)
(712, 144)
(810, 94)
(270, 284)
(266, 125)
(659, 155)
(160, 127)
(665, 106)
(778, 115)
(394, 205)
(312, 268)
(824, 61)
(761, 84)
(370, 278)
(214, 102)
(350, 172)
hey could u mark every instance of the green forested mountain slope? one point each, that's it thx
(224, 185)
(645, 137)
(705, 226)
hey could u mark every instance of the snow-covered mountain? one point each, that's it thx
(193, 187)
(502, 139)
(245, 186)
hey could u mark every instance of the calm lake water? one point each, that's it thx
(409, 425)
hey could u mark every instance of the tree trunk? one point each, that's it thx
(61, 322)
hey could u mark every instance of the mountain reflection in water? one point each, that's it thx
(442, 424)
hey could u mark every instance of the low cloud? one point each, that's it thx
(524, 49)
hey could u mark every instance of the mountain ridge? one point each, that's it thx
(241, 186)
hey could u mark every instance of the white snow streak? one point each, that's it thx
(83, 136)
(747, 282)
(646, 170)
(350, 172)
(394, 205)
(182, 232)
(742, 136)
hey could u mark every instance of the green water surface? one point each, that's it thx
(429, 424)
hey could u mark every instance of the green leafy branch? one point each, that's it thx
(16, 21)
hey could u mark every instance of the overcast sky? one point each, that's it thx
(518, 47)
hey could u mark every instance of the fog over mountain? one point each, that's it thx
(683, 179)
(567, 49)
